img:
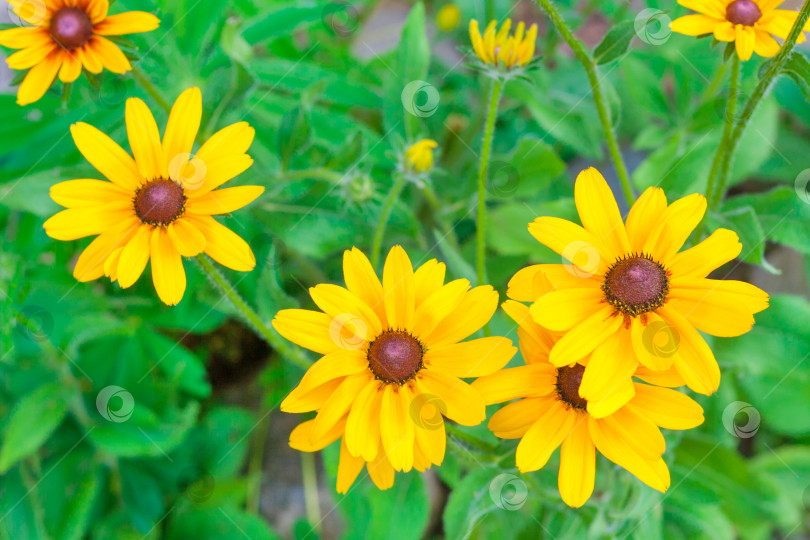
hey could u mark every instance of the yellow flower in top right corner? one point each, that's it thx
(750, 24)
(630, 284)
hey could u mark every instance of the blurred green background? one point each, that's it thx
(123, 418)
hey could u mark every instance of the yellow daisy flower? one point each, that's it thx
(392, 366)
(628, 284)
(66, 36)
(159, 205)
(501, 48)
(750, 24)
(419, 156)
(550, 412)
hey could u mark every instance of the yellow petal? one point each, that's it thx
(381, 471)
(34, 12)
(668, 408)
(428, 279)
(309, 329)
(474, 311)
(223, 201)
(363, 282)
(187, 239)
(312, 400)
(724, 31)
(655, 343)
(547, 433)
(75, 223)
(463, 403)
(563, 309)
(198, 177)
(363, 424)
(144, 139)
(744, 40)
(695, 361)
(636, 430)
(721, 247)
(438, 306)
(571, 241)
(474, 358)
(228, 141)
(644, 216)
(674, 226)
(429, 432)
(713, 8)
(346, 309)
(20, 38)
(607, 383)
(301, 437)
(585, 337)
(31, 56)
(134, 257)
(96, 10)
(89, 59)
(85, 193)
(334, 365)
(109, 54)
(653, 473)
(694, 25)
(184, 122)
(518, 382)
(396, 427)
(168, 274)
(599, 213)
(70, 70)
(513, 420)
(90, 264)
(132, 22)
(339, 403)
(222, 244)
(106, 156)
(39, 79)
(577, 466)
(348, 468)
(398, 289)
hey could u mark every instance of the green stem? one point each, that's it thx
(601, 105)
(311, 490)
(150, 89)
(722, 150)
(385, 213)
(454, 431)
(481, 232)
(256, 463)
(318, 173)
(249, 315)
(774, 69)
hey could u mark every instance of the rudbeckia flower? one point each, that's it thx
(159, 205)
(550, 412)
(393, 364)
(501, 48)
(629, 287)
(66, 36)
(419, 156)
(750, 24)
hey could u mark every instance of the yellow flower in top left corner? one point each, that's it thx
(159, 205)
(66, 36)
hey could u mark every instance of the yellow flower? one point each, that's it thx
(749, 23)
(492, 48)
(550, 412)
(448, 17)
(66, 36)
(160, 204)
(393, 364)
(629, 287)
(419, 156)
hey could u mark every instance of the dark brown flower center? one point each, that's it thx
(395, 356)
(568, 381)
(71, 27)
(636, 285)
(744, 12)
(160, 202)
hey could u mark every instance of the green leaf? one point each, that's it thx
(293, 133)
(616, 43)
(80, 508)
(183, 369)
(32, 421)
(235, 46)
(530, 167)
(413, 53)
(224, 523)
(797, 68)
(280, 20)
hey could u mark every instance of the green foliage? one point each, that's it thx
(121, 418)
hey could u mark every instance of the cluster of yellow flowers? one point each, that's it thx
(605, 336)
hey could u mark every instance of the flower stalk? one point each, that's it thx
(486, 149)
(385, 213)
